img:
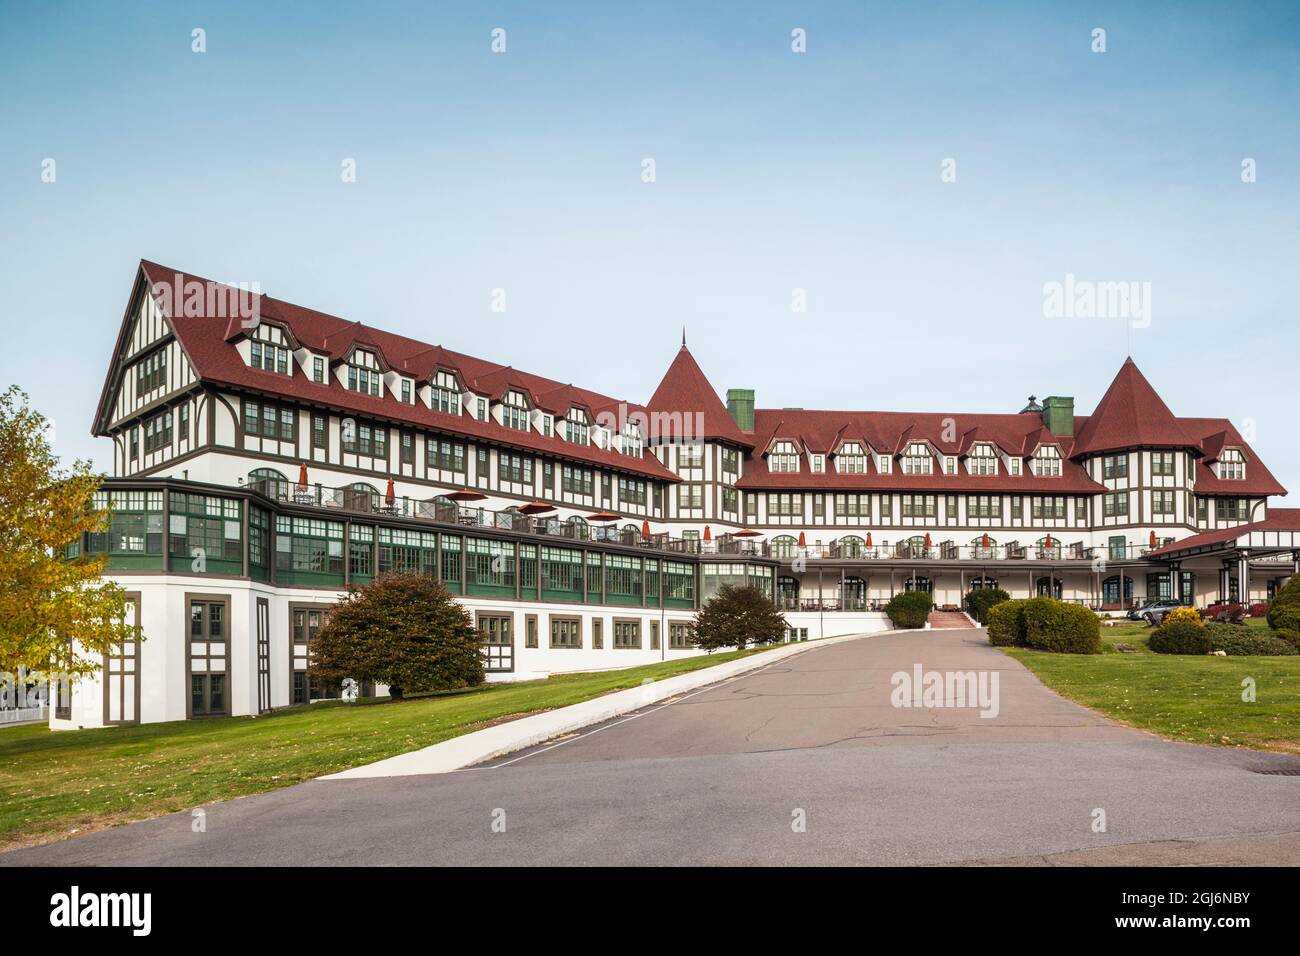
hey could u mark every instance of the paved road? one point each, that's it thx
(727, 774)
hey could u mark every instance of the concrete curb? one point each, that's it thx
(472, 748)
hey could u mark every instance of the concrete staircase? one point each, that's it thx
(944, 620)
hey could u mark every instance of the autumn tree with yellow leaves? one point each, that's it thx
(56, 613)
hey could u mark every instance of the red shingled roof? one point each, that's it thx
(684, 390)
(1131, 415)
(1279, 519)
(217, 362)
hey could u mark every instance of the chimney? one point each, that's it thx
(740, 405)
(1058, 415)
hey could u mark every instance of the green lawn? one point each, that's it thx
(1196, 699)
(54, 784)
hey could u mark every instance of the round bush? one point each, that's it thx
(1289, 635)
(1180, 637)
(980, 600)
(1284, 611)
(1237, 641)
(1006, 624)
(909, 608)
(1052, 625)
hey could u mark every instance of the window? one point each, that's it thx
(366, 439)
(184, 412)
(158, 432)
(268, 357)
(851, 460)
(1115, 505)
(1162, 502)
(690, 456)
(206, 529)
(406, 390)
(983, 460)
(817, 464)
(481, 409)
(135, 442)
(361, 552)
(364, 375)
(575, 427)
(784, 505)
(852, 506)
(1162, 463)
(498, 647)
(207, 694)
(1114, 466)
(406, 450)
(318, 370)
(1230, 509)
(597, 635)
(444, 455)
(730, 461)
(679, 636)
(407, 551)
(690, 495)
(445, 396)
(567, 632)
(309, 545)
(151, 372)
(882, 464)
(632, 491)
(319, 433)
(135, 526)
(514, 411)
(530, 630)
(983, 506)
(917, 459)
(783, 458)
(307, 624)
(949, 465)
(548, 426)
(269, 421)
(1232, 466)
(1051, 508)
(1047, 461)
(919, 506)
(575, 480)
(627, 634)
(515, 468)
(622, 579)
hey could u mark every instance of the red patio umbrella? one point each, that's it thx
(603, 516)
(645, 530)
(708, 535)
(466, 494)
(868, 539)
(1047, 542)
(927, 541)
(302, 476)
(390, 495)
(536, 508)
(1153, 539)
(747, 533)
(803, 542)
(985, 542)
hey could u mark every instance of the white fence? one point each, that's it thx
(24, 715)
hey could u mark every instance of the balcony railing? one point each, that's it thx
(368, 502)
(909, 550)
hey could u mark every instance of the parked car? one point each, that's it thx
(1153, 612)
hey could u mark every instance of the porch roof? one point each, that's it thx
(1277, 533)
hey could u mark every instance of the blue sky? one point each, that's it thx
(775, 171)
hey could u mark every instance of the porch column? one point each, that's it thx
(1176, 580)
(1225, 585)
(1243, 577)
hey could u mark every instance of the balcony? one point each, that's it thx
(352, 501)
(912, 550)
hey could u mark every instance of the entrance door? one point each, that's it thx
(122, 672)
(263, 655)
(498, 643)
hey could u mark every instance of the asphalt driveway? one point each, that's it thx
(806, 761)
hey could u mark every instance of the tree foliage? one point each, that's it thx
(736, 617)
(979, 600)
(404, 630)
(56, 614)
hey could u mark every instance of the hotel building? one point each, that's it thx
(267, 457)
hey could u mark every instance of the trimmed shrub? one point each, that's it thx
(1006, 624)
(1183, 614)
(1052, 625)
(980, 600)
(1180, 637)
(1282, 611)
(1289, 635)
(1237, 641)
(1258, 609)
(909, 608)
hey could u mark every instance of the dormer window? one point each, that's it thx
(406, 390)
(983, 460)
(1047, 461)
(883, 464)
(817, 463)
(632, 444)
(318, 370)
(917, 459)
(548, 426)
(445, 396)
(784, 458)
(1232, 465)
(514, 411)
(851, 459)
(268, 349)
(576, 427)
(363, 374)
